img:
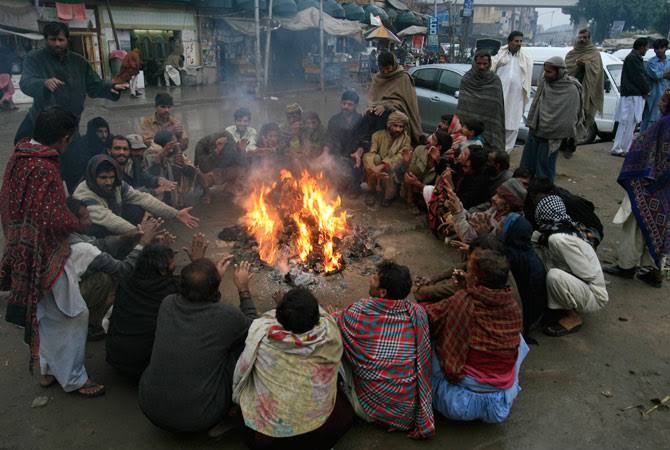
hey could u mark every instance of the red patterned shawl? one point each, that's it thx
(36, 223)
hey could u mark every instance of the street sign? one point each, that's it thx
(467, 8)
(617, 27)
(443, 20)
(432, 42)
(432, 26)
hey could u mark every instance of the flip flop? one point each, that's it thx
(98, 393)
(558, 330)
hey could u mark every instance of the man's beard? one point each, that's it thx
(121, 161)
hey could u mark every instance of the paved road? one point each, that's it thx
(622, 350)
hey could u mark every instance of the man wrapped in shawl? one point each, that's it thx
(386, 359)
(98, 140)
(481, 97)
(575, 282)
(392, 89)
(644, 213)
(35, 220)
(286, 378)
(383, 164)
(583, 62)
(478, 346)
(528, 270)
(554, 116)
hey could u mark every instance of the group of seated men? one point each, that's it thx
(298, 374)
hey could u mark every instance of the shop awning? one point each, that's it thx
(304, 20)
(31, 36)
(382, 33)
(414, 29)
(19, 16)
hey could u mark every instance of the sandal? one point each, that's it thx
(558, 330)
(99, 390)
(47, 381)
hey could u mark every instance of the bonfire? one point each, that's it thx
(297, 219)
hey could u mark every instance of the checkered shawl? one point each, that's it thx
(387, 343)
(474, 318)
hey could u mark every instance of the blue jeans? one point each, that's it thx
(460, 402)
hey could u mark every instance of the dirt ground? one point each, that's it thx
(575, 389)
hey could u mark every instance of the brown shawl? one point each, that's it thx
(396, 90)
(593, 82)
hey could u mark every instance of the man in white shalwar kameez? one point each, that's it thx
(515, 69)
(63, 315)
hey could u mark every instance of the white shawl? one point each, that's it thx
(503, 57)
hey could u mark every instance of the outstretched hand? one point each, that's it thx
(185, 217)
(242, 276)
(198, 248)
(223, 264)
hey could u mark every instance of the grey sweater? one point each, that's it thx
(188, 383)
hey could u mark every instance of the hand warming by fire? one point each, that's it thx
(297, 218)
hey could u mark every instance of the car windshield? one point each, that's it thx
(615, 72)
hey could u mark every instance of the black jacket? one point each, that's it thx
(633, 79)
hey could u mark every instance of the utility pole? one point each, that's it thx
(259, 66)
(268, 35)
(321, 51)
(435, 9)
(111, 22)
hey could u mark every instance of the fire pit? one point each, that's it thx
(298, 227)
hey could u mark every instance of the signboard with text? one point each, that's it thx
(467, 8)
(432, 26)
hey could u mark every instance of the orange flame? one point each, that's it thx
(306, 203)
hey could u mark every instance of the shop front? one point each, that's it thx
(157, 32)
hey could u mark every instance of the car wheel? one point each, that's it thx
(588, 136)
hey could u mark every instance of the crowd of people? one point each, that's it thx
(85, 245)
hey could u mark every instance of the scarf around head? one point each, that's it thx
(594, 76)
(113, 199)
(476, 318)
(481, 97)
(551, 216)
(557, 109)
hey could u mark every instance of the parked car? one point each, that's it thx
(437, 91)
(437, 88)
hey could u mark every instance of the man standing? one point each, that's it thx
(481, 97)
(515, 70)
(584, 64)
(35, 220)
(634, 89)
(553, 117)
(385, 158)
(55, 76)
(161, 119)
(243, 135)
(658, 70)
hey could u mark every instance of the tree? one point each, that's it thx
(638, 14)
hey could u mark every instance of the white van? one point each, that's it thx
(604, 123)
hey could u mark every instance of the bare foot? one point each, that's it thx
(571, 320)
(47, 380)
(91, 389)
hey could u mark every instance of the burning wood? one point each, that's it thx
(297, 218)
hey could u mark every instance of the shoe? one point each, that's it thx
(387, 202)
(370, 199)
(652, 278)
(619, 272)
(619, 154)
(558, 330)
